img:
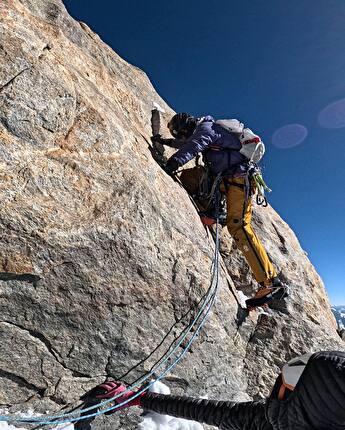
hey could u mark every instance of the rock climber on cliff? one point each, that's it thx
(221, 154)
(309, 394)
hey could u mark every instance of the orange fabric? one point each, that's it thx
(281, 392)
(262, 292)
(207, 220)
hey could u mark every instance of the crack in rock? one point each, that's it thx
(23, 277)
(21, 381)
(14, 78)
(35, 334)
(46, 48)
(39, 336)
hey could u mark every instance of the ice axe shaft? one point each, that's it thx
(157, 148)
(155, 121)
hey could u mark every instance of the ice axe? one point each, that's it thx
(157, 149)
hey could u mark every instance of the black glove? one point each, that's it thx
(171, 166)
(157, 138)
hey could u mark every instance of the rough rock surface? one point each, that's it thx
(101, 252)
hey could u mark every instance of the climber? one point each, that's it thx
(220, 150)
(316, 402)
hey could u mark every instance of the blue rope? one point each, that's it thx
(208, 303)
(138, 393)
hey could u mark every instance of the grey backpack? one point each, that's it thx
(252, 146)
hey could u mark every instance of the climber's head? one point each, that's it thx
(182, 125)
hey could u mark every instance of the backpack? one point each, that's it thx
(289, 377)
(252, 146)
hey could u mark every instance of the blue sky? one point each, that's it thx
(271, 63)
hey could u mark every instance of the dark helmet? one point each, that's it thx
(182, 125)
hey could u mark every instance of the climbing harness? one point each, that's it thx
(215, 206)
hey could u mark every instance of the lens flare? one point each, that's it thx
(289, 135)
(333, 115)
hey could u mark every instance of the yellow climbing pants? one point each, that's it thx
(239, 216)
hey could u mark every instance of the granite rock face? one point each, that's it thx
(101, 251)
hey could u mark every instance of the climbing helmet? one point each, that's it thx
(182, 125)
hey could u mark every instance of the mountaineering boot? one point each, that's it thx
(276, 290)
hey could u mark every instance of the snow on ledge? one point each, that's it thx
(154, 421)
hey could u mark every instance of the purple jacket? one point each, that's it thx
(219, 147)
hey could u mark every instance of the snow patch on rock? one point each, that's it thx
(154, 421)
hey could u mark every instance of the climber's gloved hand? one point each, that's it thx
(157, 138)
(171, 166)
(110, 389)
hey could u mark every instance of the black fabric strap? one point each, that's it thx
(235, 184)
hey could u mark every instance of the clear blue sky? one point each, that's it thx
(271, 63)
